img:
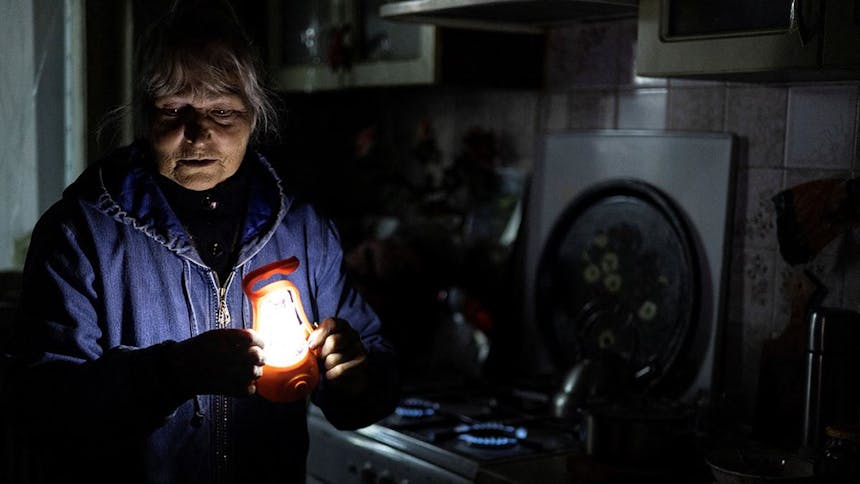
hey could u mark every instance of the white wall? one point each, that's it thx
(41, 132)
(18, 173)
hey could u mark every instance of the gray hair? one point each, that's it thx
(200, 48)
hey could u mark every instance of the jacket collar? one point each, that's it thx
(123, 187)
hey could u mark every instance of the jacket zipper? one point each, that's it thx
(223, 317)
(222, 460)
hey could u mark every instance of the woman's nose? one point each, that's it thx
(196, 126)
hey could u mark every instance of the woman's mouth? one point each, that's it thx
(197, 162)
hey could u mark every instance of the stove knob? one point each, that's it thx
(367, 475)
(386, 478)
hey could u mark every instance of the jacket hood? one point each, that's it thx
(123, 186)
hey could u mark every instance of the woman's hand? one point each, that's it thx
(220, 361)
(343, 356)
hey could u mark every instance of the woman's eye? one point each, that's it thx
(222, 113)
(170, 112)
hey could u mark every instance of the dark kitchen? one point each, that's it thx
(430, 241)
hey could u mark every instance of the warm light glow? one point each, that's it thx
(291, 372)
(281, 329)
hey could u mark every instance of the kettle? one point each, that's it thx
(574, 389)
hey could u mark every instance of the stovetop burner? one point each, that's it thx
(490, 435)
(416, 408)
(454, 434)
(460, 436)
(481, 425)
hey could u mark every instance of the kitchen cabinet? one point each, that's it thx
(769, 40)
(323, 45)
(343, 44)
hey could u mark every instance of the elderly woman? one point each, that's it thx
(136, 357)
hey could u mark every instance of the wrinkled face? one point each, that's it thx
(199, 141)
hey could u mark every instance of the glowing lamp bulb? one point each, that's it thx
(291, 370)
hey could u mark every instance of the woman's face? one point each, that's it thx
(199, 141)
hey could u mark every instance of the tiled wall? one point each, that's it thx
(788, 133)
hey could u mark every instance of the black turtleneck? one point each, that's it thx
(213, 218)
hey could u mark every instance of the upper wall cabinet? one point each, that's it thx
(342, 44)
(767, 40)
(331, 44)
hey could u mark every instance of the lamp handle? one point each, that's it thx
(283, 266)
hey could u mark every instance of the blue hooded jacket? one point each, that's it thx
(111, 278)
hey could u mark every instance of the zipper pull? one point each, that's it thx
(197, 419)
(223, 311)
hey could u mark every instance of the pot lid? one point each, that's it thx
(617, 283)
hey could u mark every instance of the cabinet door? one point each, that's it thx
(299, 36)
(842, 34)
(722, 39)
(391, 52)
(336, 44)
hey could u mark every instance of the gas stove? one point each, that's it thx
(451, 436)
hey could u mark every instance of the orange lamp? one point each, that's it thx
(291, 370)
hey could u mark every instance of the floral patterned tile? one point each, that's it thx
(755, 215)
(821, 126)
(592, 109)
(751, 304)
(824, 268)
(751, 287)
(757, 115)
(697, 109)
(831, 273)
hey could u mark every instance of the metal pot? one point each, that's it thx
(573, 392)
(754, 466)
(645, 435)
